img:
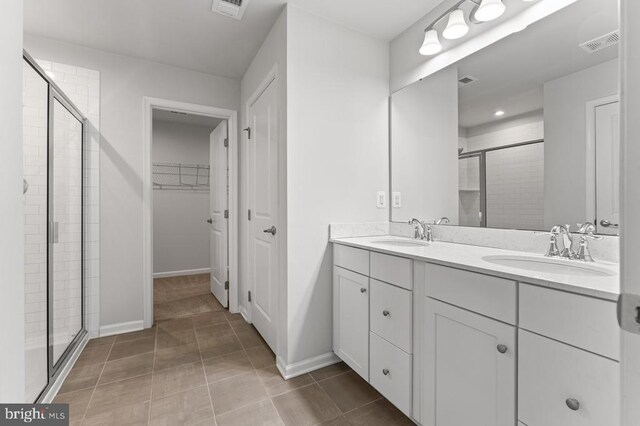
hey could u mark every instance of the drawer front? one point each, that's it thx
(486, 295)
(391, 313)
(550, 373)
(581, 321)
(350, 258)
(396, 384)
(391, 269)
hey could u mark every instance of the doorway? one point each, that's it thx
(208, 172)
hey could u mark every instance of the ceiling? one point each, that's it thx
(511, 72)
(188, 119)
(185, 33)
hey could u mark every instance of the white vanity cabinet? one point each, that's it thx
(372, 320)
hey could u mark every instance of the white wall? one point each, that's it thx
(565, 134)
(424, 123)
(180, 230)
(124, 83)
(337, 158)
(12, 367)
(525, 128)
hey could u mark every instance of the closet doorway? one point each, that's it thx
(190, 221)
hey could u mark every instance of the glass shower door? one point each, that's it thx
(65, 242)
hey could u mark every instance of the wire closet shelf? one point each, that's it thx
(180, 177)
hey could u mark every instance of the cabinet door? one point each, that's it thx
(469, 371)
(351, 319)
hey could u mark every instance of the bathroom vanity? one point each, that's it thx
(451, 336)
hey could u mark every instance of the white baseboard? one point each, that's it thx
(310, 364)
(55, 387)
(123, 327)
(245, 314)
(182, 273)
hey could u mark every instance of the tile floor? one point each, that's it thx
(200, 365)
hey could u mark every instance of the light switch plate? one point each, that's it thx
(396, 200)
(381, 199)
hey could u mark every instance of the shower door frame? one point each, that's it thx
(54, 94)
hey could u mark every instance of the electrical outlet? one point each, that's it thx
(381, 200)
(397, 200)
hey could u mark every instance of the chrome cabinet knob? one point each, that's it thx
(573, 404)
(385, 313)
(363, 290)
(502, 348)
(385, 371)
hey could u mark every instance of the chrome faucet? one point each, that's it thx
(442, 221)
(587, 231)
(419, 230)
(567, 240)
(561, 242)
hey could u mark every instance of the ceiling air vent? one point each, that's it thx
(601, 42)
(231, 8)
(466, 80)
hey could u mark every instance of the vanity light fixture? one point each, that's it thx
(489, 10)
(431, 44)
(457, 26)
(499, 113)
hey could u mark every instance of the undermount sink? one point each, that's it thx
(401, 242)
(550, 265)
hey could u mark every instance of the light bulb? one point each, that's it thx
(499, 113)
(431, 44)
(489, 10)
(457, 26)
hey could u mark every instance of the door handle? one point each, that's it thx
(271, 230)
(607, 224)
(209, 220)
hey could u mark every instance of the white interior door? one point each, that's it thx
(263, 206)
(608, 168)
(218, 205)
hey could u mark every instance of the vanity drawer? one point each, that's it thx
(396, 384)
(550, 373)
(350, 258)
(391, 269)
(486, 295)
(581, 321)
(390, 313)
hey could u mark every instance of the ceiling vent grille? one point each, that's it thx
(230, 8)
(466, 80)
(602, 42)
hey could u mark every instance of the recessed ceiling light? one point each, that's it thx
(499, 113)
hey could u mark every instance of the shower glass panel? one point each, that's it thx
(470, 190)
(35, 105)
(66, 227)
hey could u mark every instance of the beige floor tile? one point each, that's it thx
(349, 391)
(306, 406)
(261, 357)
(175, 325)
(330, 371)
(170, 339)
(208, 319)
(250, 338)
(142, 334)
(82, 377)
(175, 356)
(178, 379)
(122, 415)
(78, 402)
(236, 392)
(276, 385)
(126, 368)
(214, 331)
(225, 366)
(338, 421)
(262, 413)
(94, 355)
(217, 346)
(379, 413)
(98, 341)
(115, 395)
(132, 348)
(185, 408)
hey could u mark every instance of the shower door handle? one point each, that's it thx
(55, 235)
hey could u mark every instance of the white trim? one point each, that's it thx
(55, 387)
(591, 151)
(122, 327)
(181, 273)
(310, 364)
(149, 104)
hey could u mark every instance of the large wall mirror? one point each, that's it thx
(523, 134)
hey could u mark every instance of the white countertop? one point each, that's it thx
(470, 258)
